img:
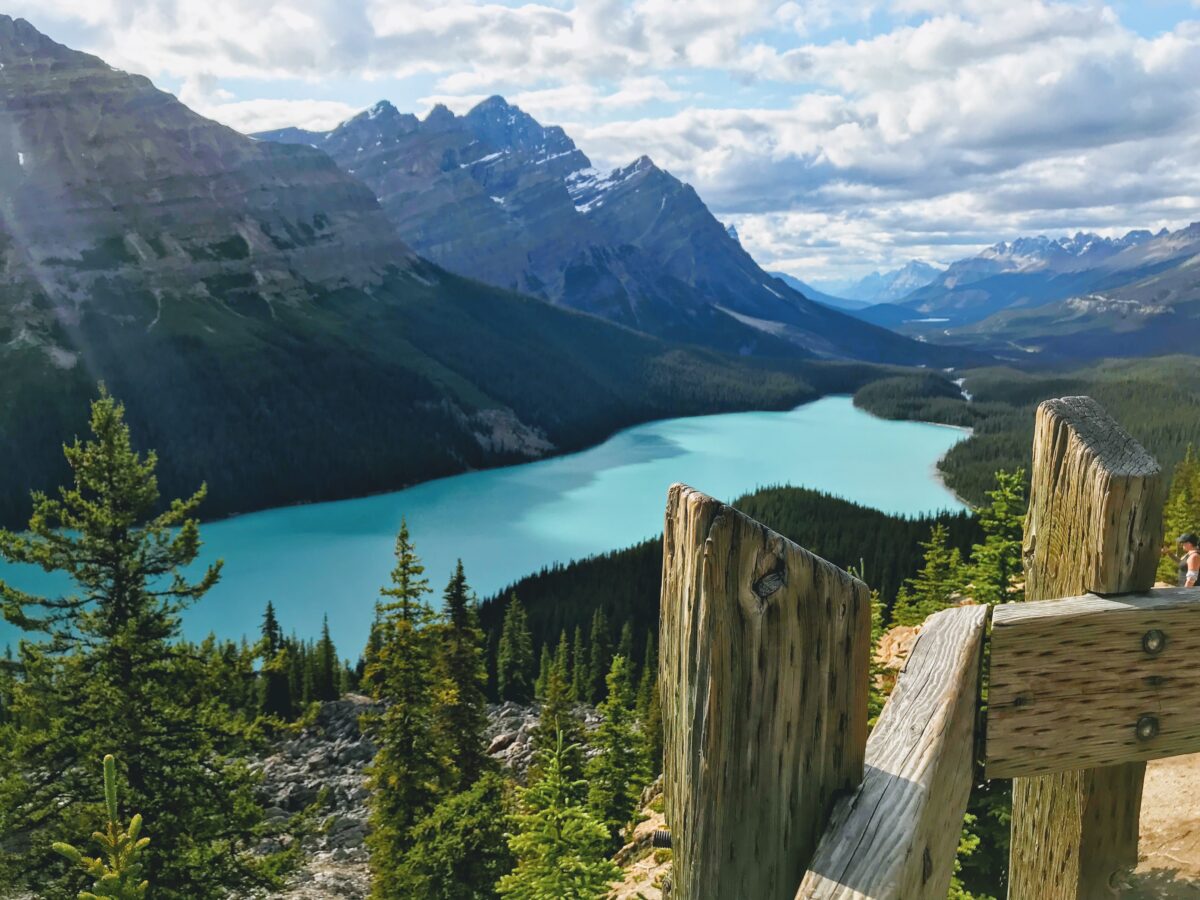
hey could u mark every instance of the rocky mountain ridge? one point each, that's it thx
(495, 195)
(112, 187)
(890, 286)
(1029, 272)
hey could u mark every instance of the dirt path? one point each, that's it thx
(1169, 852)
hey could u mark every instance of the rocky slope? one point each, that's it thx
(256, 311)
(495, 195)
(110, 185)
(327, 761)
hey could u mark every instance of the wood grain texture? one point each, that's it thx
(1094, 525)
(1070, 680)
(1095, 510)
(896, 837)
(763, 670)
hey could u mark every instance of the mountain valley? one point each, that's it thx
(496, 196)
(251, 304)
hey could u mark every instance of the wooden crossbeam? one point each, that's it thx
(763, 670)
(1091, 681)
(896, 837)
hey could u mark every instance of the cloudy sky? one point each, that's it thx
(839, 136)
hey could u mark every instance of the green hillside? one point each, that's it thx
(358, 392)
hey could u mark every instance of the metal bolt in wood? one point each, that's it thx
(1154, 641)
(1147, 728)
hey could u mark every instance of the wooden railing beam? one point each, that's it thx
(896, 837)
(763, 669)
(1093, 681)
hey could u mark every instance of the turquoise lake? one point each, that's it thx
(331, 558)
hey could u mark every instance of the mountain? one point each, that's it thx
(110, 185)
(265, 326)
(1071, 298)
(891, 286)
(820, 296)
(496, 196)
(1030, 272)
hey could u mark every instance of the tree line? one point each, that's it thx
(624, 585)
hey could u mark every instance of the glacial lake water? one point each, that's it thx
(331, 558)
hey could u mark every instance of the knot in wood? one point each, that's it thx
(770, 570)
(768, 584)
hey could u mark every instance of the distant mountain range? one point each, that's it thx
(496, 196)
(820, 296)
(1076, 297)
(887, 287)
(268, 329)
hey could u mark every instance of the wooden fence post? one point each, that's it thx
(763, 669)
(1094, 525)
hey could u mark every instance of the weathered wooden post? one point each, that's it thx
(1094, 525)
(763, 670)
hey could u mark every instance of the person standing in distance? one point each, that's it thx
(1189, 560)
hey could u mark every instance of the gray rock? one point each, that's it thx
(329, 759)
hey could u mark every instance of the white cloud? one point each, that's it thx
(249, 116)
(987, 128)
(957, 123)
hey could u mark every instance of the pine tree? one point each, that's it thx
(545, 664)
(514, 659)
(936, 585)
(325, 666)
(117, 872)
(272, 634)
(580, 668)
(620, 770)
(996, 564)
(558, 721)
(652, 728)
(625, 645)
(649, 680)
(294, 658)
(409, 768)
(460, 849)
(562, 661)
(877, 689)
(308, 682)
(370, 654)
(101, 668)
(561, 849)
(460, 712)
(601, 656)
(649, 706)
